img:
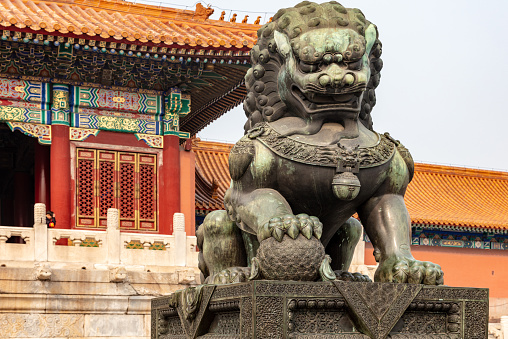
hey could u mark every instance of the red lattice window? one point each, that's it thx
(123, 180)
(85, 174)
(107, 185)
(147, 191)
(127, 183)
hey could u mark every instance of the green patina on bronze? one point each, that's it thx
(310, 160)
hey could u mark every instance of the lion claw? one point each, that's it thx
(402, 269)
(291, 225)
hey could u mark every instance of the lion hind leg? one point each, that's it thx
(341, 247)
(221, 245)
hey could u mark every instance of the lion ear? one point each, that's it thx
(370, 37)
(282, 41)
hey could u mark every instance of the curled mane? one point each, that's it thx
(263, 102)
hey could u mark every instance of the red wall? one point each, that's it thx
(188, 190)
(464, 267)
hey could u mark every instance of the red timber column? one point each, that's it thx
(169, 194)
(60, 157)
(176, 104)
(42, 186)
(188, 187)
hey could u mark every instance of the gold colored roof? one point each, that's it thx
(106, 19)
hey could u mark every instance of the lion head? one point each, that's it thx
(314, 60)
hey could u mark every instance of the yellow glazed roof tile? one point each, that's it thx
(126, 20)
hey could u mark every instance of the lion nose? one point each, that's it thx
(336, 80)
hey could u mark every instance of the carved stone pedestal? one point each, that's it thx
(278, 309)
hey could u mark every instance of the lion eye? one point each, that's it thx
(308, 68)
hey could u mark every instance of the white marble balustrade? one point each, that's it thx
(109, 247)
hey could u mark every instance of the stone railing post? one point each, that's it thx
(40, 233)
(180, 251)
(113, 237)
(504, 326)
(359, 254)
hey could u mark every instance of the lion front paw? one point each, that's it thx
(229, 276)
(292, 226)
(402, 269)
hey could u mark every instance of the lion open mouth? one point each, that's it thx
(315, 101)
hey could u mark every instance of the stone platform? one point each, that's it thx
(273, 309)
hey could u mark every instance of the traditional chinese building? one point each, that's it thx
(459, 218)
(105, 93)
(97, 99)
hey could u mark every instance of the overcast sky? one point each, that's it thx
(444, 83)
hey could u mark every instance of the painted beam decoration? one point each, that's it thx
(25, 101)
(41, 132)
(119, 111)
(87, 110)
(60, 110)
(177, 105)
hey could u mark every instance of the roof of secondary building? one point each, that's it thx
(442, 196)
(119, 20)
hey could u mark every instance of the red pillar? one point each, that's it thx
(169, 192)
(41, 174)
(60, 177)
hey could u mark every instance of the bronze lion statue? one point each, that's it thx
(310, 160)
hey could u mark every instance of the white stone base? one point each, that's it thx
(83, 303)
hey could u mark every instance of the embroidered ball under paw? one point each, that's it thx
(291, 259)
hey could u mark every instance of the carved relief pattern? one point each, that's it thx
(453, 293)
(476, 319)
(318, 321)
(322, 313)
(322, 155)
(42, 325)
(243, 146)
(368, 301)
(300, 289)
(80, 134)
(418, 323)
(169, 326)
(231, 291)
(318, 316)
(86, 192)
(269, 317)
(127, 190)
(424, 336)
(226, 323)
(246, 317)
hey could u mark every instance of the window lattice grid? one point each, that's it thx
(86, 183)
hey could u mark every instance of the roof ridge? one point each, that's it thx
(461, 171)
(148, 10)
